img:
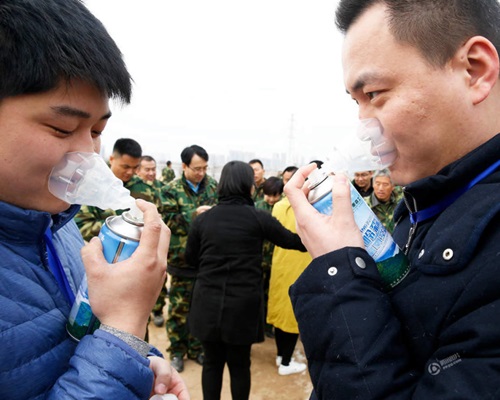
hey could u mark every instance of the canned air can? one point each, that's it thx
(392, 263)
(120, 236)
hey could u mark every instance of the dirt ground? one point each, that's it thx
(266, 383)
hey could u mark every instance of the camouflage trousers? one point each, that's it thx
(179, 298)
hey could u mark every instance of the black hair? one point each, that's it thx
(188, 153)
(148, 159)
(437, 28)
(256, 161)
(291, 168)
(236, 179)
(169, 163)
(44, 43)
(273, 186)
(126, 146)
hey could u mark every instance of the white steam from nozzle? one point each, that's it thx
(85, 179)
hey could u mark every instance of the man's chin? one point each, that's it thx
(57, 207)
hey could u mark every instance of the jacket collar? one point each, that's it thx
(236, 199)
(430, 190)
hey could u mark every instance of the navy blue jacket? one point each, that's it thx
(437, 334)
(38, 360)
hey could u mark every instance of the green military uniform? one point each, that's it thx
(179, 208)
(167, 174)
(267, 257)
(150, 191)
(258, 193)
(384, 211)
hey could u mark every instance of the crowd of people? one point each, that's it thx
(233, 255)
(249, 256)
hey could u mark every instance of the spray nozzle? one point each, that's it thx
(84, 178)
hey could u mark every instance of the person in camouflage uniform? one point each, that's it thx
(273, 190)
(167, 173)
(183, 199)
(123, 162)
(384, 198)
(144, 185)
(259, 179)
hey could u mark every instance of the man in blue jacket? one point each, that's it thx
(428, 70)
(59, 68)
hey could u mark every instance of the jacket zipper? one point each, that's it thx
(411, 205)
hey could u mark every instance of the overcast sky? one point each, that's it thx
(229, 75)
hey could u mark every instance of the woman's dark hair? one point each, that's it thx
(437, 28)
(236, 179)
(44, 43)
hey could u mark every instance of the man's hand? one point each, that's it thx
(321, 233)
(167, 379)
(122, 295)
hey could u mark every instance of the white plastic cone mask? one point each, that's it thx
(85, 179)
(369, 150)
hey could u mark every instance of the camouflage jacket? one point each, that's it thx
(90, 219)
(167, 174)
(267, 246)
(149, 191)
(258, 193)
(179, 208)
(384, 211)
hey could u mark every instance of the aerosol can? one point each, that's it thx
(120, 237)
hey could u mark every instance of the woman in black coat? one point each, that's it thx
(227, 306)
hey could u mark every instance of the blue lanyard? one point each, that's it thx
(437, 208)
(57, 269)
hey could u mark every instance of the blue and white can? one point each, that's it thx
(120, 236)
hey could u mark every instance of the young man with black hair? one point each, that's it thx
(258, 177)
(59, 70)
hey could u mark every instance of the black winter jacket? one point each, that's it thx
(437, 334)
(225, 244)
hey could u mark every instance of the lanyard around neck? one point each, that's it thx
(437, 208)
(57, 269)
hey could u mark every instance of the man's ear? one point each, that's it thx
(481, 62)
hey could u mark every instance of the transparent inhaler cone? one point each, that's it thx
(84, 178)
(368, 150)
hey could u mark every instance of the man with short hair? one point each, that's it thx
(144, 185)
(259, 179)
(384, 199)
(59, 69)
(363, 183)
(123, 162)
(288, 173)
(428, 71)
(184, 199)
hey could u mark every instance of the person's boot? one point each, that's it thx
(177, 363)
